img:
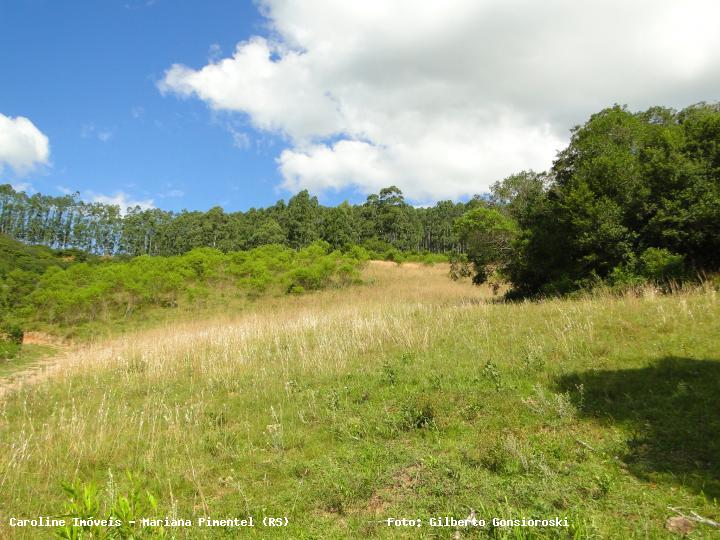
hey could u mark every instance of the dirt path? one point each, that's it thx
(43, 355)
(28, 375)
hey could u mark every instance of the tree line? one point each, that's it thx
(635, 197)
(384, 221)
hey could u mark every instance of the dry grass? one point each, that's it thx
(369, 315)
(317, 406)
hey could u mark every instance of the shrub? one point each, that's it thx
(460, 266)
(656, 265)
(11, 338)
(660, 264)
(357, 253)
(117, 289)
(375, 246)
(393, 255)
(417, 414)
(8, 349)
(12, 333)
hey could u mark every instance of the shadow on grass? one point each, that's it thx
(672, 409)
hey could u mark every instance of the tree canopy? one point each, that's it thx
(634, 195)
(68, 222)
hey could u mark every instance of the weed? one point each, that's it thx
(390, 375)
(87, 507)
(417, 414)
(492, 374)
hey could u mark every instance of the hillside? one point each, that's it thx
(409, 396)
(15, 255)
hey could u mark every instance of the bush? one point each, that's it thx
(377, 248)
(660, 264)
(117, 289)
(625, 276)
(8, 349)
(12, 333)
(460, 266)
(417, 414)
(393, 255)
(656, 265)
(357, 253)
(11, 338)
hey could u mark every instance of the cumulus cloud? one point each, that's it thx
(22, 145)
(444, 100)
(119, 198)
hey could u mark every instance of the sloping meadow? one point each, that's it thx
(341, 409)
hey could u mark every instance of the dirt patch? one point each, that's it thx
(31, 375)
(404, 482)
(387, 264)
(40, 338)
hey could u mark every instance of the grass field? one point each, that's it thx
(410, 396)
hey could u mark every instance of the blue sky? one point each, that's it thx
(192, 104)
(85, 73)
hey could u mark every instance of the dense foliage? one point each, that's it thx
(634, 197)
(67, 222)
(73, 294)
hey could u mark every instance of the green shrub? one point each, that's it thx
(460, 266)
(11, 338)
(125, 511)
(656, 265)
(357, 253)
(425, 257)
(84, 294)
(393, 255)
(625, 276)
(417, 414)
(660, 264)
(12, 333)
(8, 350)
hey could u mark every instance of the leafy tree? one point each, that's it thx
(519, 195)
(488, 235)
(627, 183)
(270, 232)
(301, 219)
(338, 226)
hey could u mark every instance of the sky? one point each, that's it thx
(201, 103)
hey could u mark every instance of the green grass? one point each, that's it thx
(29, 355)
(602, 410)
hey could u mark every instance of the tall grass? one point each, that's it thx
(411, 395)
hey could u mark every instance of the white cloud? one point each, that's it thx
(119, 198)
(22, 145)
(428, 167)
(90, 131)
(444, 99)
(65, 190)
(214, 52)
(172, 194)
(23, 186)
(240, 139)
